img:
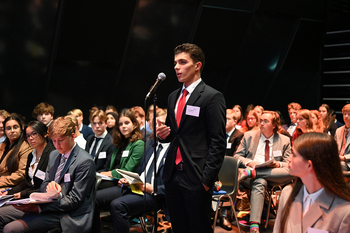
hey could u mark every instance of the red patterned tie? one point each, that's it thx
(344, 143)
(267, 151)
(180, 108)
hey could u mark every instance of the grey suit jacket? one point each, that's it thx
(339, 134)
(247, 149)
(328, 213)
(77, 181)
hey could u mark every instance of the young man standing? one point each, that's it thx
(195, 126)
(71, 174)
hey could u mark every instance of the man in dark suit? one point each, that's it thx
(122, 202)
(234, 136)
(100, 145)
(196, 128)
(293, 108)
(84, 129)
(71, 173)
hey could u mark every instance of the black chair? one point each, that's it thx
(228, 175)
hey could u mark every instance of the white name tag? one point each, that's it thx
(66, 177)
(125, 153)
(313, 230)
(102, 155)
(277, 153)
(192, 110)
(228, 145)
(40, 174)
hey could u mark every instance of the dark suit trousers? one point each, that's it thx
(189, 204)
(122, 204)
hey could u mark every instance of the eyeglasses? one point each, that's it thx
(33, 135)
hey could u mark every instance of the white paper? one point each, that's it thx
(313, 230)
(105, 177)
(131, 177)
(262, 165)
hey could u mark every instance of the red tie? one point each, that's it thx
(344, 143)
(267, 151)
(180, 108)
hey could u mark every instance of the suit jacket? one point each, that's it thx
(86, 131)
(26, 187)
(131, 162)
(106, 146)
(328, 213)
(339, 134)
(247, 149)
(77, 181)
(235, 140)
(201, 139)
(8, 179)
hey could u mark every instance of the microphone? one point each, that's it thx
(161, 78)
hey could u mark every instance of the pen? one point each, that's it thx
(6, 190)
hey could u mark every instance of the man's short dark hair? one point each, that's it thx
(196, 53)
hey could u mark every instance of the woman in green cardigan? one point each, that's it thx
(127, 137)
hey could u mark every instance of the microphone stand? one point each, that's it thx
(155, 180)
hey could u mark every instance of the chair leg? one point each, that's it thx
(268, 209)
(216, 212)
(143, 224)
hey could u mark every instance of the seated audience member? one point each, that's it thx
(111, 120)
(14, 152)
(234, 136)
(280, 129)
(342, 139)
(94, 108)
(259, 110)
(100, 145)
(149, 118)
(293, 108)
(111, 108)
(252, 122)
(71, 173)
(44, 112)
(338, 123)
(304, 123)
(3, 115)
(79, 139)
(240, 121)
(317, 121)
(319, 200)
(261, 146)
(129, 147)
(328, 120)
(122, 202)
(140, 116)
(84, 129)
(36, 134)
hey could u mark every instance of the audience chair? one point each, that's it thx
(228, 175)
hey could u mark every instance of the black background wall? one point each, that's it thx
(74, 53)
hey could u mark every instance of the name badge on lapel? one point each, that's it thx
(102, 155)
(192, 110)
(66, 177)
(125, 154)
(40, 174)
(313, 230)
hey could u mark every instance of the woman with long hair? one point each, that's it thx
(328, 120)
(304, 123)
(239, 112)
(36, 135)
(317, 121)
(14, 152)
(319, 198)
(127, 138)
(252, 122)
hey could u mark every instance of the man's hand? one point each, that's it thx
(123, 182)
(17, 195)
(109, 173)
(342, 157)
(274, 164)
(252, 164)
(162, 130)
(3, 193)
(149, 188)
(53, 186)
(27, 208)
